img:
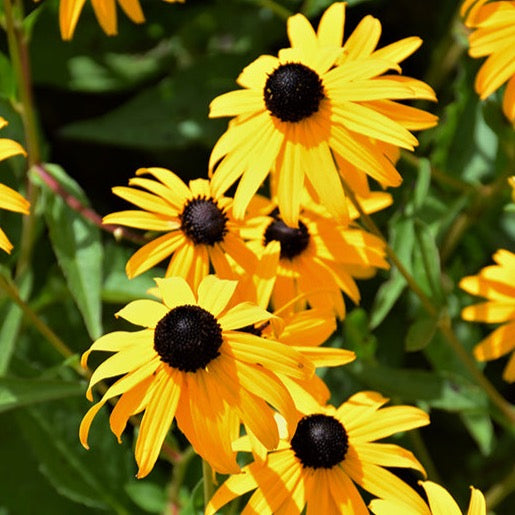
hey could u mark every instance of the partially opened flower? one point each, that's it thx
(193, 362)
(440, 503)
(497, 284)
(321, 258)
(105, 11)
(493, 36)
(298, 109)
(199, 227)
(10, 199)
(330, 451)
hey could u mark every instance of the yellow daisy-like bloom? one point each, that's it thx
(316, 99)
(440, 502)
(199, 226)
(10, 199)
(305, 330)
(105, 11)
(193, 362)
(319, 259)
(331, 450)
(493, 35)
(497, 284)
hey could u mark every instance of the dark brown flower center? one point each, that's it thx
(203, 221)
(293, 92)
(320, 441)
(293, 240)
(188, 338)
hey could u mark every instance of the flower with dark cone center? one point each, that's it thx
(293, 92)
(203, 221)
(293, 240)
(320, 441)
(188, 338)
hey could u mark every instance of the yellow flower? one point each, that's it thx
(10, 199)
(305, 330)
(493, 35)
(440, 502)
(105, 11)
(314, 100)
(330, 451)
(320, 258)
(192, 362)
(199, 226)
(497, 284)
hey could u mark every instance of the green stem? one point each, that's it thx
(39, 324)
(444, 323)
(209, 487)
(19, 53)
(173, 505)
(500, 491)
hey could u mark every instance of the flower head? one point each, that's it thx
(331, 449)
(493, 35)
(193, 361)
(497, 284)
(10, 199)
(320, 258)
(105, 11)
(199, 227)
(440, 501)
(316, 100)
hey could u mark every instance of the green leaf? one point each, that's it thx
(77, 245)
(90, 478)
(429, 257)
(7, 79)
(12, 317)
(420, 334)
(423, 183)
(481, 429)
(17, 392)
(148, 496)
(118, 288)
(402, 241)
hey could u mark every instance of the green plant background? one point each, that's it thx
(107, 106)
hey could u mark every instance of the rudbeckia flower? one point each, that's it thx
(10, 199)
(440, 502)
(493, 35)
(497, 284)
(319, 259)
(193, 362)
(199, 226)
(316, 99)
(330, 451)
(105, 11)
(305, 330)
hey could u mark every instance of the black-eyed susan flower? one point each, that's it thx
(496, 283)
(199, 227)
(193, 362)
(331, 450)
(10, 199)
(493, 35)
(105, 11)
(305, 330)
(321, 257)
(314, 100)
(440, 503)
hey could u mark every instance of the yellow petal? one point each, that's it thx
(144, 312)
(330, 28)
(345, 494)
(243, 315)
(388, 455)
(132, 9)
(175, 291)
(496, 70)
(174, 183)
(13, 201)
(256, 73)
(9, 148)
(214, 294)
(363, 39)
(477, 504)
(399, 50)
(105, 11)
(235, 486)
(69, 12)
(497, 344)
(490, 312)
(157, 420)
(5, 244)
(440, 501)
(301, 33)
(142, 220)
(146, 201)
